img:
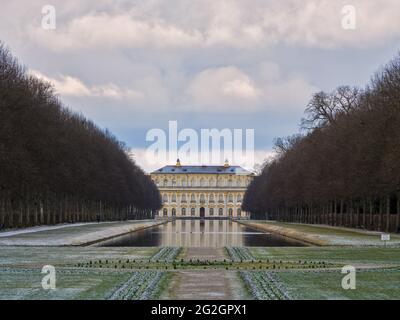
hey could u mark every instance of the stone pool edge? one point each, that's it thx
(288, 233)
(91, 243)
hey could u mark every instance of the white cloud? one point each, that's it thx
(229, 23)
(292, 92)
(213, 90)
(70, 86)
(229, 89)
(219, 89)
(115, 31)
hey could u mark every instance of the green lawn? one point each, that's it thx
(70, 284)
(20, 271)
(340, 255)
(325, 235)
(370, 284)
(59, 256)
(378, 270)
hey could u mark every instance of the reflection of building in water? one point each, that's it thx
(199, 233)
(202, 191)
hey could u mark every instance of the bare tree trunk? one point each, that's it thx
(387, 213)
(2, 212)
(351, 215)
(371, 215)
(41, 216)
(398, 215)
(380, 214)
(35, 217)
(11, 216)
(20, 216)
(357, 213)
(341, 212)
(364, 214)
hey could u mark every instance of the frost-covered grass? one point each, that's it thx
(265, 285)
(70, 284)
(321, 285)
(75, 235)
(325, 235)
(20, 272)
(14, 232)
(166, 254)
(239, 254)
(63, 256)
(140, 286)
(339, 255)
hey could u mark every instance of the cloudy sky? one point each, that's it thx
(131, 66)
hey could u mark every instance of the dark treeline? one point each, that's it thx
(345, 169)
(55, 165)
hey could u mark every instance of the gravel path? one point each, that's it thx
(205, 254)
(205, 285)
(208, 284)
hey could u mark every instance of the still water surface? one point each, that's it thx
(200, 233)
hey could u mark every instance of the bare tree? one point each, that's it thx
(345, 169)
(57, 166)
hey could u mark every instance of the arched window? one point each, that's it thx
(202, 198)
(192, 198)
(230, 211)
(220, 198)
(230, 197)
(173, 212)
(239, 212)
(184, 182)
(165, 197)
(183, 212)
(173, 182)
(193, 211)
(184, 198)
(211, 211)
(165, 182)
(230, 183)
(173, 197)
(239, 198)
(202, 182)
(211, 197)
(165, 212)
(221, 211)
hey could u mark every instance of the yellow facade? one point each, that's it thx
(188, 192)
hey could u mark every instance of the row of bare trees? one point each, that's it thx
(57, 166)
(344, 169)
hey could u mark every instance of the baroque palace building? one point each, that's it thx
(202, 191)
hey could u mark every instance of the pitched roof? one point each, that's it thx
(203, 169)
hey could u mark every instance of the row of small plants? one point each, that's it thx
(142, 285)
(265, 285)
(166, 254)
(204, 264)
(239, 254)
